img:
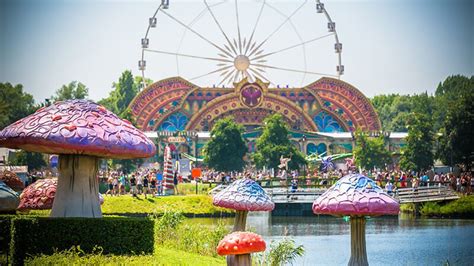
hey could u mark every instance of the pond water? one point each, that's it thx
(402, 240)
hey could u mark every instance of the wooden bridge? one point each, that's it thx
(424, 194)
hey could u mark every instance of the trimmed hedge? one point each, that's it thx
(5, 223)
(115, 235)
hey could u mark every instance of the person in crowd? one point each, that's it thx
(389, 188)
(115, 183)
(139, 178)
(175, 182)
(145, 185)
(110, 186)
(153, 189)
(133, 186)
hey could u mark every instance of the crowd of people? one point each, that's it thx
(149, 181)
(143, 181)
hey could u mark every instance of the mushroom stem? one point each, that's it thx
(239, 225)
(239, 260)
(358, 251)
(240, 221)
(78, 187)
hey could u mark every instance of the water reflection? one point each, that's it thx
(403, 240)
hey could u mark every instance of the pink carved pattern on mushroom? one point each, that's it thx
(39, 195)
(244, 195)
(355, 195)
(77, 127)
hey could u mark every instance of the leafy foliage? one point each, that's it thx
(226, 149)
(462, 208)
(281, 253)
(14, 104)
(370, 152)
(418, 153)
(394, 110)
(73, 90)
(34, 160)
(173, 231)
(454, 107)
(274, 143)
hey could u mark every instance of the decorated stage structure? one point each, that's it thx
(321, 115)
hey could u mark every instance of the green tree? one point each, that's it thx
(34, 160)
(454, 107)
(14, 104)
(274, 143)
(226, 148)
(370, 152)
(73, 90)
(394, 110)
(122, 95)
(418, 153)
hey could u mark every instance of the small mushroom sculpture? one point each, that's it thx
(80, 132)
(8, 198)
(243, 195)
(12, 180)
(39, 195)
(356, 196)
(240, 245)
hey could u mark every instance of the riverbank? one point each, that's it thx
(460, 208)
(126, 205)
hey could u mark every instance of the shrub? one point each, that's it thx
(5, 222)
(172, 232)
(280, 253)
(114, 235)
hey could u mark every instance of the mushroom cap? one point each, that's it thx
(77, 127)
(238, 243)
(39, 195)
(244, 195)
(355, 195)
(12, 180)
(8, 198)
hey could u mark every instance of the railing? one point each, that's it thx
(424, 194)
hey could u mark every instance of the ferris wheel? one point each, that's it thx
(218, 43)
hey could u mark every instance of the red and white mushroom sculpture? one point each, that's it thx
(240, 245)
(356, 196)
(80, 132)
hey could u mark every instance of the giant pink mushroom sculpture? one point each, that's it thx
(356, 196)
(81, 132)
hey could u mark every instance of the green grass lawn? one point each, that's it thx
(190, 205)
(161, 256)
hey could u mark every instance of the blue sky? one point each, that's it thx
(388, 46)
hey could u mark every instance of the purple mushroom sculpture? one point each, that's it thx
(243, 195)
(80, 132)
(356, 196)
